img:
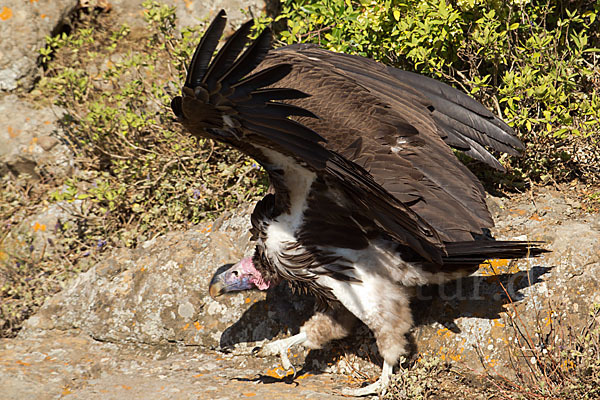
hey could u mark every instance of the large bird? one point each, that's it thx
(367, 198)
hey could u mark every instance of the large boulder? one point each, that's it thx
(157, 294)
(23, 28)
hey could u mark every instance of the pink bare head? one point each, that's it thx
(241, 276)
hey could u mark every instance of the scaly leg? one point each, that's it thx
(281, 347)
(315, 333)
(377, 388)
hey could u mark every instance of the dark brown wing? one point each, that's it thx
(227, 99)
(396, 142)
(461, 121)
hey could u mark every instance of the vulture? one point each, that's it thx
(367, 198)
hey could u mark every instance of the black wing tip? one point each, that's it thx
(300, 94)
(176, 106)
(265, 32)
(221, 15)
(204, 50)
(486, 249)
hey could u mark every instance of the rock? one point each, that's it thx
(156, 295)
(23, 27)
(41, 232)
(194, 11)
(31, 142)
(190, 12)
(74, 366)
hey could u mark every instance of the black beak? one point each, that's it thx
(229, 278)
(217, 283)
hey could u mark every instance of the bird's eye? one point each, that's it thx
(235, 273)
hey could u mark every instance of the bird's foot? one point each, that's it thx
(370, 390)
(281, 347)
(276, 348)
(379, 387)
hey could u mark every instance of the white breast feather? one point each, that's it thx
(384, 278)
(298, 181)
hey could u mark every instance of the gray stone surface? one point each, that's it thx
(30, 139)
(41, 230)
(59, 365)
(23, 27)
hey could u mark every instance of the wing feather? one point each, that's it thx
(204, 51)
(249, 59)
(228, 54)
(444, 102)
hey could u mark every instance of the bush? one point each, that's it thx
(534, 62)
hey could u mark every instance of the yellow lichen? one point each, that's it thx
(6, 13)
(39, 227)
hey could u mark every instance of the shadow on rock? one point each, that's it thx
(473, 296)
(281, 312)
(480, 297)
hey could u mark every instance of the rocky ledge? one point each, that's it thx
(141, 322)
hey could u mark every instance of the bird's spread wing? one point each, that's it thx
(461, 121)
(394, 139)
(226, 98)
(374, 136)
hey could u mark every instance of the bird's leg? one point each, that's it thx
(321, 328)
(377, 388)
(280, 347)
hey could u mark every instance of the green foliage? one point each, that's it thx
(160, 16)
(535, 62)
(54, 43)
(141, 176)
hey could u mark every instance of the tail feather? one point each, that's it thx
(477, 251)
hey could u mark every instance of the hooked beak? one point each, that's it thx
(216, 287)
(226, 280)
